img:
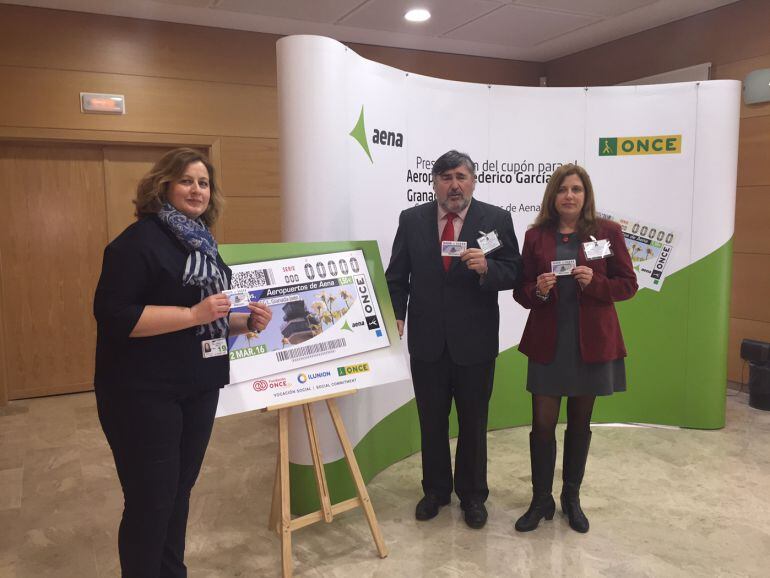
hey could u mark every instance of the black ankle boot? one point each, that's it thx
(542, 457)
(575, 456)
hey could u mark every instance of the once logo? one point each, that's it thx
(260, 385)
(364, 296)
(640, 145)
(351, 369)
(280, 382)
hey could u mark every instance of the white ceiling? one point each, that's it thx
(534, 30)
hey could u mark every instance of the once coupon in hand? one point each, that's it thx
(452, 248)
(238, 297)
(564, 267)
(324, 307)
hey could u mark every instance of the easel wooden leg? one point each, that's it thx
(283, 452)
(280, 510)
(363, 494)
(318, 463)
(275, 507)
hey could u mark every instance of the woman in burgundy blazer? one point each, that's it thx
(572, 337)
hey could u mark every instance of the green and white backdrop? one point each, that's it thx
(357, 140)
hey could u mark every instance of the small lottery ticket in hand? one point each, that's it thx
(452, 248)
(564, 267)
(237, 297)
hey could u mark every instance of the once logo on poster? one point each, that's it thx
(640, 145)
(351, 369)
(260, 385)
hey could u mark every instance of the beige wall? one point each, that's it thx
(736, 40)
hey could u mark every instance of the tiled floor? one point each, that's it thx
(662, 502)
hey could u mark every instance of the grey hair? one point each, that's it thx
(451, 160)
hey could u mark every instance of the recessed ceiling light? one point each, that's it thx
(417, 15)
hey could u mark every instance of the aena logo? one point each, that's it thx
(379, 136)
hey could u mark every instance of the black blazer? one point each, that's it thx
(455, 307)
(144, 266)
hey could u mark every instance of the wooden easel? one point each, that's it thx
(280, 512)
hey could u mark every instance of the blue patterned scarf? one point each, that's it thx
(201, 268)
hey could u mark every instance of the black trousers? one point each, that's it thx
(158, 441)
(436, 383)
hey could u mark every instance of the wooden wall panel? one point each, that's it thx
(58, 39)
(455, 66)
(728, 34)
(50, 99)
(250, 167)
(752, 219)
(123, 168)
(3, 353)
(754, 152)
(51, 244)
(741, 329)
(738, 71)
(251, 220)
(751, 287)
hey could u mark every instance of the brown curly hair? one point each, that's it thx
(152, 189)
(548, 216)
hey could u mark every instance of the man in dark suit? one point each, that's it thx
(453, 328)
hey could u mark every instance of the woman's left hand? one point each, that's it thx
(583, 275)
(260, 315)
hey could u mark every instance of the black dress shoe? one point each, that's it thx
(475, 514)
(428, 507)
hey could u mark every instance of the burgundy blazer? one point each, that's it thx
(613, 280)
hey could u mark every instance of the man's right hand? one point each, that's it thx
(400, 325)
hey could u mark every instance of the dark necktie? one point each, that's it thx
(448, 234)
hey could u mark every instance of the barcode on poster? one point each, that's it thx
(251, 279)
(310, 350)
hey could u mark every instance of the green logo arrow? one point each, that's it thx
(608, 147)
(359, 133)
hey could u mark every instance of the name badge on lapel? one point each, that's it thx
(214, 347)
(488, 242)
(597, 249)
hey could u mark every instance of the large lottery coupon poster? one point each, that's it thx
(324, 308)
(328, 333)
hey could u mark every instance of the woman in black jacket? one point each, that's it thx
(161, 355)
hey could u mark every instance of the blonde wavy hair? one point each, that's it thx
(151, 192)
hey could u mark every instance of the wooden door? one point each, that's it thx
(124, 166)
(62, 204)
(53, 234)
